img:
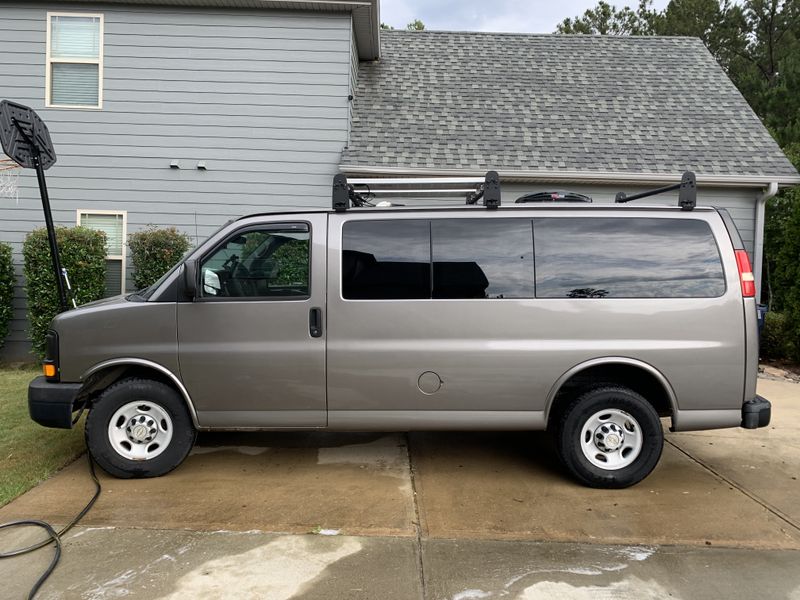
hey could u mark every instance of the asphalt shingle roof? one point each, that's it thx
(516, 102)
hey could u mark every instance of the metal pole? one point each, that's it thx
(48, 216)
(51, 232)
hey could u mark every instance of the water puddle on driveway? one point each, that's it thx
(277, 570)
(631, 588)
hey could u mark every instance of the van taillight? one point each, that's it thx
(746, 274)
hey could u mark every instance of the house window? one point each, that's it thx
(114, 224)
(74, 76)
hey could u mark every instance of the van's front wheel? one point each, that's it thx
(139, 428)
(610, 437)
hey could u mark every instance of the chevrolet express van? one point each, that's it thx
(591, 321)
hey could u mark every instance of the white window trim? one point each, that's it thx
(121, 257)
(90, 61)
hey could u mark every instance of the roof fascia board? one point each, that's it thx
(754, 181)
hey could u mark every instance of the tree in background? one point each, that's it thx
(415, 25)
(606, 19)
(757, 43)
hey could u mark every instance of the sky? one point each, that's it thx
(519, 16)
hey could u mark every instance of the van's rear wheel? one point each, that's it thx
(139, 428)
(610, 437)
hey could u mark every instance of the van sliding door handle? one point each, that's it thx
(315, 322)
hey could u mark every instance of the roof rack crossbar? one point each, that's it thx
(359, 192)
(687, 194)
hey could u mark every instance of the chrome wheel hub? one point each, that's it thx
(611, 439)
(140, 430)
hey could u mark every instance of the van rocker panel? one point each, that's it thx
(436, 420)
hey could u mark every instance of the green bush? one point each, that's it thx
(83, 254)
(293, 257)
(787, 274)
(6, 290)
(774, 341)
(154, 252)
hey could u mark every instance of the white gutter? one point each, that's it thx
(755, 181)
(758, 242)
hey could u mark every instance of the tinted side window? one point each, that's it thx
(258, 264)
(626, 258)
(482, 258)
(386, 260)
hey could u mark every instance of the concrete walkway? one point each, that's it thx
(435, 515)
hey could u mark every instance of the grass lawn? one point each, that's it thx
(29, 453)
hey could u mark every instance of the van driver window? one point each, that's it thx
(259, 264)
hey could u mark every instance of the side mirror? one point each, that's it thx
(190, 278)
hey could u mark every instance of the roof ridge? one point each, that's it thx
(543, 35)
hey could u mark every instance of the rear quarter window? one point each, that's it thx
(579, 257)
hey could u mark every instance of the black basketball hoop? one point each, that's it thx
(26, 140)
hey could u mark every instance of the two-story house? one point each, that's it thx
(190, 112)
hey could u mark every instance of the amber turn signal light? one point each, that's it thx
(49, 370)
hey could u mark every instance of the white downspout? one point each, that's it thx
(758, 243)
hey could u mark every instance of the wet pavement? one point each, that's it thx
(430, 515)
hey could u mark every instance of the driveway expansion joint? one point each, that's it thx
(417, 520)
(763, 503)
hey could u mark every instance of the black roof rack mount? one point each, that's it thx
(687, 194)
(363, 192)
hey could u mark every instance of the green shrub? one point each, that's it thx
(6, 290)
(293, 257)
(83, 254)
(773, 340)
(787, 275)
(154, 252)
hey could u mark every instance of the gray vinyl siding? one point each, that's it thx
(260, 96)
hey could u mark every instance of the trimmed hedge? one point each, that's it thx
(83, 254)
(154, 252)
(6, 290)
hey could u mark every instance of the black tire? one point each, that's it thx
(118, 395)
(577, 416)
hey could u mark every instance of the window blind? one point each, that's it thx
(74, 84)
(113, 277)
(111, 225)
(75, 37)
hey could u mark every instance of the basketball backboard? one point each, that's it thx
(17, 144)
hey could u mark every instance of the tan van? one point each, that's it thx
(591, 321)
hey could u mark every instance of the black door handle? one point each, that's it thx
(315, 322)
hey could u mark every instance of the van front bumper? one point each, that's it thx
(51, 404)
(756, 413)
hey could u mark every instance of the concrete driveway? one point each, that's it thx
(430, 515)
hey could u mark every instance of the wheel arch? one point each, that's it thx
(640, 376)
(101, 375)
